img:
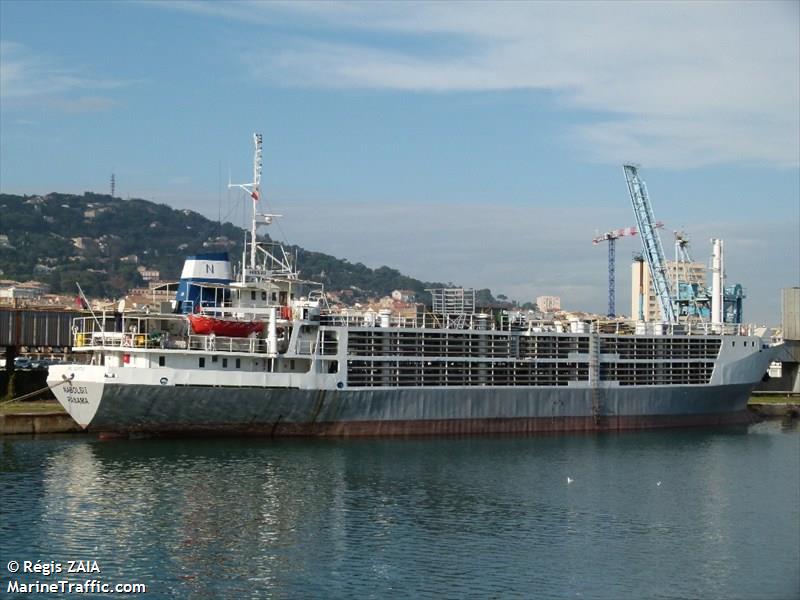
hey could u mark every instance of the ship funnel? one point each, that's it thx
(204, 281)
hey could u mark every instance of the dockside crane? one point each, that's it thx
(611, 237)
(651, 242)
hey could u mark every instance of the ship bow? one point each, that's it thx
(79, 389)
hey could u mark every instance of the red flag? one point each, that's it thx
(254, 195)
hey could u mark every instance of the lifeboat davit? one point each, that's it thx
(205, 325)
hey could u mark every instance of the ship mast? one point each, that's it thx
(256, 194)
(254, 190)
(279, 262)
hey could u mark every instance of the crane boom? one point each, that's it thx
(611, 237)
(651, 242)
(614, 234)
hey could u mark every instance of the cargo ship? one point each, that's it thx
(263, 354)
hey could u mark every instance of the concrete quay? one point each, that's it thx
(37, 423)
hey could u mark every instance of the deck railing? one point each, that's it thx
(506, 322)
(172, 331)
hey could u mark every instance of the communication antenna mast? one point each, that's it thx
(113, 184)
(274, 262)
(254, 189)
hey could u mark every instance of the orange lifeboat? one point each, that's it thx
(205, 325)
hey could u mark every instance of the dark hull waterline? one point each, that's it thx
(219, 411)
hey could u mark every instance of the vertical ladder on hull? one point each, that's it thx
(594, 374)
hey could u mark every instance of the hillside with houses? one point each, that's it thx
(116, 248)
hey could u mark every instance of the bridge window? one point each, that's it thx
(252, 295)
(238, 363)
(224, 363)
(202, 362)
(162, 360)
(263, 295)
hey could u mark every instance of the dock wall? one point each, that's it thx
(34, 423)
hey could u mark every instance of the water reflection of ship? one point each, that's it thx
(194, 505)
(202, 518)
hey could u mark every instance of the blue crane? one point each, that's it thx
(651, 242)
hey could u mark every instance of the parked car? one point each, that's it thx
(51, 361)
(22, 362)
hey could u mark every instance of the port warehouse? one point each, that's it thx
(38, 331)
(37, 328)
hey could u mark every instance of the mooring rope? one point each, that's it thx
(32, 394)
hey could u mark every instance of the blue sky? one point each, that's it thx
(479, 143)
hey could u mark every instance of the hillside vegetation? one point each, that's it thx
(101, 242)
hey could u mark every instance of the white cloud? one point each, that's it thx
(26, 77)
(678, 84)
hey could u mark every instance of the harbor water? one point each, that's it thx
(711, 513)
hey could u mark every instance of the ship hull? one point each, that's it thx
(400, 412)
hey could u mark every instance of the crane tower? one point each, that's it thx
(611, 237)
(651, 242)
